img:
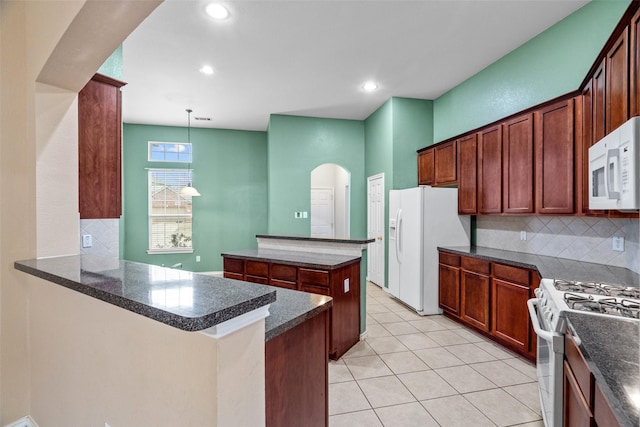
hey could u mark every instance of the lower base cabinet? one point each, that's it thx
(491, 298)
(297, 377)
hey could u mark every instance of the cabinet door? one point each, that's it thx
(474, 289)
(599, 103)
(634, 60)
(449, 288)
(576, 409)
(509, 313)
(445, 164)
(617, 90)
(426, 167)
(490, 170)
(517, 167)
(99, 149)
(554, 158)
(468, 175)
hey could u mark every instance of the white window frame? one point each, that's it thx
(150, 215)
(165, 143)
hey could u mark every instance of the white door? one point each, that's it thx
(375, 229)
(322, 212)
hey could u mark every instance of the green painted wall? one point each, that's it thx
(112, 67)
(229, 170)
(551, 64)
(412, 130)
(297, 145)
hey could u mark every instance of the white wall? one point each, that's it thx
(579, 238)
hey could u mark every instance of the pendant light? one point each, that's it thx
(189, 190)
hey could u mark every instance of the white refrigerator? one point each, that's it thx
(420, 220)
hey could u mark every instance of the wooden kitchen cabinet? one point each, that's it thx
(468, 175)
(517, 167)
(296, 375)
(510, 290)
(344, 315)
(554, 158)
(99, 148)
(449, 282)
(490, 170)
(599, 83)
(634, 61)
(576, 410)
(474, 292)
(445, 164)
(490, 297)
(617, 82)
(426, 167)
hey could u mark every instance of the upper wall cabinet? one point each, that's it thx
(437, 166)
(468, 175)
(490, 170)
(426, 171)
(617, 82)
(517, 168)
(634, 60)
(554, 158)
(99, 148)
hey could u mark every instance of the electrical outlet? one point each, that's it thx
(87, 241)
(618, 244)
(346, 285)
(197, 258)
(523, 235)
(297, 214)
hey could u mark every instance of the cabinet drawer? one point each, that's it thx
(284, 284)
(257, 268)
(512, 274)
(476, 264)
(579, 368)
(314, 277)
(322, 290)
(284, 272)
(232, 265)
(235, 276)
(449, 259)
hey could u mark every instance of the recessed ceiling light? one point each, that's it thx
(217, 11)
(207, 69)
(370, 86)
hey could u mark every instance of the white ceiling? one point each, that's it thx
(310, 58)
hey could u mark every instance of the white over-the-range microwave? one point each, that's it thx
(614, 178)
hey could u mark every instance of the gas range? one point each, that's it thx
(558, 296)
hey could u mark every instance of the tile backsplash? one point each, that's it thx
(105, 236)
(580, 238)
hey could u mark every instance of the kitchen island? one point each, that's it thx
(337, 276)
(234, 362)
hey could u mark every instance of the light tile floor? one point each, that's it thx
(412, 370)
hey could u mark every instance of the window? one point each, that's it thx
(169, 152)
(170, 213)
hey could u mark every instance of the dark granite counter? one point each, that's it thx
(184, 300)
(552, 267)
(292, 308)
(611, 348)
(316, 239)
(203, 300)
(299, 259)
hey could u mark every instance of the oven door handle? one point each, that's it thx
(549, 336)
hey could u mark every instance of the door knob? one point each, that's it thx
(379, 237)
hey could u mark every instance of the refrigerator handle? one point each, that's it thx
(399, 235)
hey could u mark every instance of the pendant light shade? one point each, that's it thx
(189, 190)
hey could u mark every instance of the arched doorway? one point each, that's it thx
(330, 201)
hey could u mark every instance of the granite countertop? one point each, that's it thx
(316, 239)
(552, 267)
(178, 298)
(611, 348)
(300, 259)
